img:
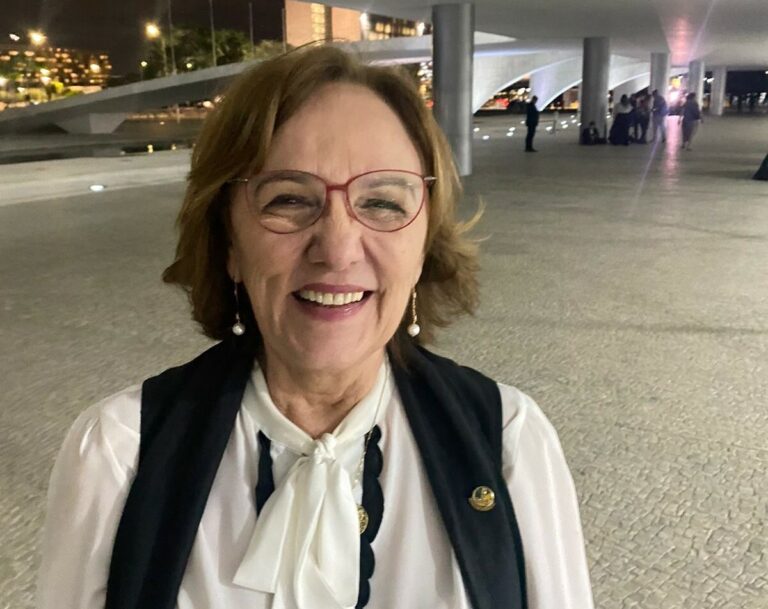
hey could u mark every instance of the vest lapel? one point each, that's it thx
(446, 406)
(187, 417)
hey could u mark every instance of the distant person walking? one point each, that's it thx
(690, 119)
(643, 111)
(659, 111)
(619, 134)
(531, 122)
(634, 123)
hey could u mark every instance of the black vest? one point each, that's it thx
(187, 416)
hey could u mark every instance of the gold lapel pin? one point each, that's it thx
(483, 499)
(362, 518)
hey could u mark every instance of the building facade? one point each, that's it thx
(307, 22)
(27, 66)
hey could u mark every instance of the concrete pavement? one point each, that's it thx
(623, 288)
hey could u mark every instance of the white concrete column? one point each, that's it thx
(596, 65)
(452, 50)
(717, 99)
(696, 80)
(660, 73)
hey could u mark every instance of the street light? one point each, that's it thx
(36, 37)
(14, 37)
(152, 30)
(213, 33)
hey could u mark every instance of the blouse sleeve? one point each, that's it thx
(546, 507)
(87, 491)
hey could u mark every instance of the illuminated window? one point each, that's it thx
(318, 21)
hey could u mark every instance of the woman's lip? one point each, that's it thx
(329, 288)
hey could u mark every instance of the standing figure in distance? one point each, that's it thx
(690, 118)
(531, 122)
(643, 111)
(659, 111)
(619, 134)
(634, 123)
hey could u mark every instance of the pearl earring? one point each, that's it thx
(414, 328)
(238, 329)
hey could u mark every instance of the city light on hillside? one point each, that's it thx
(95, 68)
(3, 81)
(14, 37)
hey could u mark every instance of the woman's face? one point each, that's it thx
(343, 131)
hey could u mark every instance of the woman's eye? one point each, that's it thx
(377, 204)
(288, 201)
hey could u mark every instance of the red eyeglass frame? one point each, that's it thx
(427, 181)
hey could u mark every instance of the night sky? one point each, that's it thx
(117, 26)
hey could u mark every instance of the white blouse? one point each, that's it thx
(415, 564)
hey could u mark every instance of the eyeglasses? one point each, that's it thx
(384, 200)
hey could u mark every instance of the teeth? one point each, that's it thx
(329, 299)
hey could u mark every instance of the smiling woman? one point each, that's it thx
(317, 457)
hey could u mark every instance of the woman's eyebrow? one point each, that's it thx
(286, 175)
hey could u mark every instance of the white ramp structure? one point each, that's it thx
(498, 62)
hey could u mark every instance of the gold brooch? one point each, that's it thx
(362, 518)
(483, 499)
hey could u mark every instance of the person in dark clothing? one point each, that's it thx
(659, 111)
(619, 134)
(591, 136)
(634, 123)
(690, 119)
(643, 112)
(531, 122)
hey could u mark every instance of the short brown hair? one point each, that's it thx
(234, 141)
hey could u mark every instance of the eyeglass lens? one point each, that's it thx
(290, 201)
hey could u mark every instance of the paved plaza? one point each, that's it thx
(625, 289)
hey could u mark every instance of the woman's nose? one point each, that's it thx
(337, 236)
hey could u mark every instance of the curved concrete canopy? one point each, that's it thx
(551, 74)
(491, 74)
(631, 86)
